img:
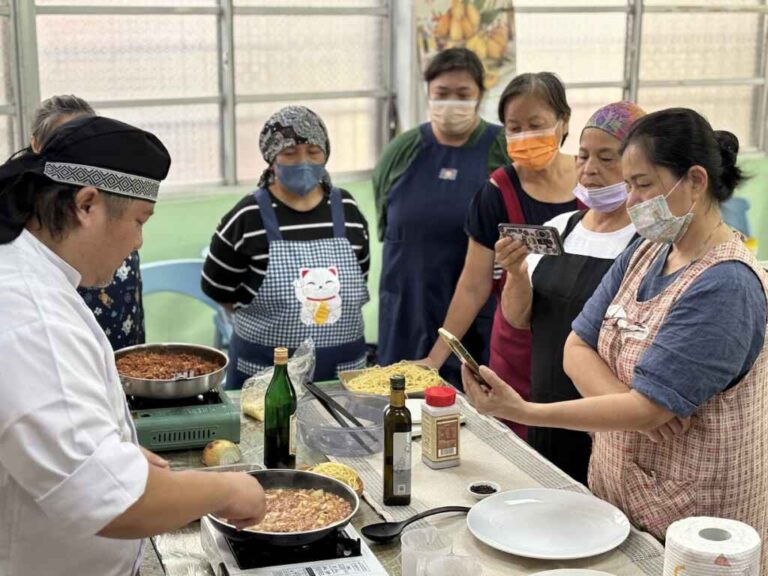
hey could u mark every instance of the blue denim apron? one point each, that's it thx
(424, 250)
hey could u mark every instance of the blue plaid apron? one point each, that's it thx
(311, 288)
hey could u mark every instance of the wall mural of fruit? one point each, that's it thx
(487, 27)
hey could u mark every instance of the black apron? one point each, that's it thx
(424, 250)
(561, 287)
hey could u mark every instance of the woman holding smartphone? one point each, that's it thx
(537, 187)
(669, 353)
(546, 293)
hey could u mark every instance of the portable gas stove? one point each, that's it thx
(185, 423)
(342, 553)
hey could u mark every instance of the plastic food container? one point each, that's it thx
(320, 432)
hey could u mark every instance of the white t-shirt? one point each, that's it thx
(69, 459)
(583, 242)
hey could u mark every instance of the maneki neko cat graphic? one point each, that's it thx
(318, 291)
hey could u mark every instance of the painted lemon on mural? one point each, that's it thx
(479, 26)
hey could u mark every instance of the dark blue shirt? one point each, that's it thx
(487, 210)
(118, 308)
(708, 341)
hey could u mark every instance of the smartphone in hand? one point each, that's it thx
(543, 240)
(461, 353)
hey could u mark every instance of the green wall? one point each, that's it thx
(182, 228)
(755, 189)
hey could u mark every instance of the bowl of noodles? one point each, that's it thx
(376, 380)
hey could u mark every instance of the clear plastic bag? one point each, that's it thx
(301, 368)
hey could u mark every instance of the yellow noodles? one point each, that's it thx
(376, 380)
(340, 472)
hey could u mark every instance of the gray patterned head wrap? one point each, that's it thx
(291, 126)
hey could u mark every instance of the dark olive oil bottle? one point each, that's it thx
(280, 416)
(397, 446)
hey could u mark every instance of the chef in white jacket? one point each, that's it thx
(77, 493)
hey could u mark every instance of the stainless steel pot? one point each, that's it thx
(178, 387)
(298, 479)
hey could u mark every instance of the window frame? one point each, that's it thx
(23, 15)
(26, 88)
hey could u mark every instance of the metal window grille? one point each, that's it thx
(226, 67)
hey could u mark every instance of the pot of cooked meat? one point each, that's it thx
(167, 371)
(302, 507)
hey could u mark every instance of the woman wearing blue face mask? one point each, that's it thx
(424, 183)
(292, 258)
(546, 293)
(669, 354)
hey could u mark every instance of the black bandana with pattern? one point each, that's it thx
(291, 126)
(106, 154)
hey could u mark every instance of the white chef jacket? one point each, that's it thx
(69, 459)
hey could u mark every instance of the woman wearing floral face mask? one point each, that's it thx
(292, 258)
(670, 353)
(546, 293)
(424, 183)
(535, 189)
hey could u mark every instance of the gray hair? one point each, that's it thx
(54, 205)
(54, 111)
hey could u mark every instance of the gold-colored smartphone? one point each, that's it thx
(461, 353)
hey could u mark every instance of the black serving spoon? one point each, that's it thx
(384, 531)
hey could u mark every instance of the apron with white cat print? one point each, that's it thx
(312, 288)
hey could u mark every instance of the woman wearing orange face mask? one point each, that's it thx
(535, 189)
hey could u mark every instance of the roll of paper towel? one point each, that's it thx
(703, 546)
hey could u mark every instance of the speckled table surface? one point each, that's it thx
(490, 450)
(178, 553)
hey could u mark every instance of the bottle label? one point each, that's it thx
(440, 437)
(292, 436)
(448, 437)
(401, 463)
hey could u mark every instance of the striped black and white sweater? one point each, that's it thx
(239, 252)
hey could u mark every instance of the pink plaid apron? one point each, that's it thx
(720, 467)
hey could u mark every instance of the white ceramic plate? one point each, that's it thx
(571, 572)
(548, 524)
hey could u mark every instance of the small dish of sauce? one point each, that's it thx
(483, 489)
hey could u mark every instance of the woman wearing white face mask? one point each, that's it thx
(546, 294)
(535, 189)
(424, 183)
(292, 257)
(670, 352)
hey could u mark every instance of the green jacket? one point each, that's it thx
(402, 151)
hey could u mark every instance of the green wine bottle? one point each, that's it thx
(397, 446)
(280, 416)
